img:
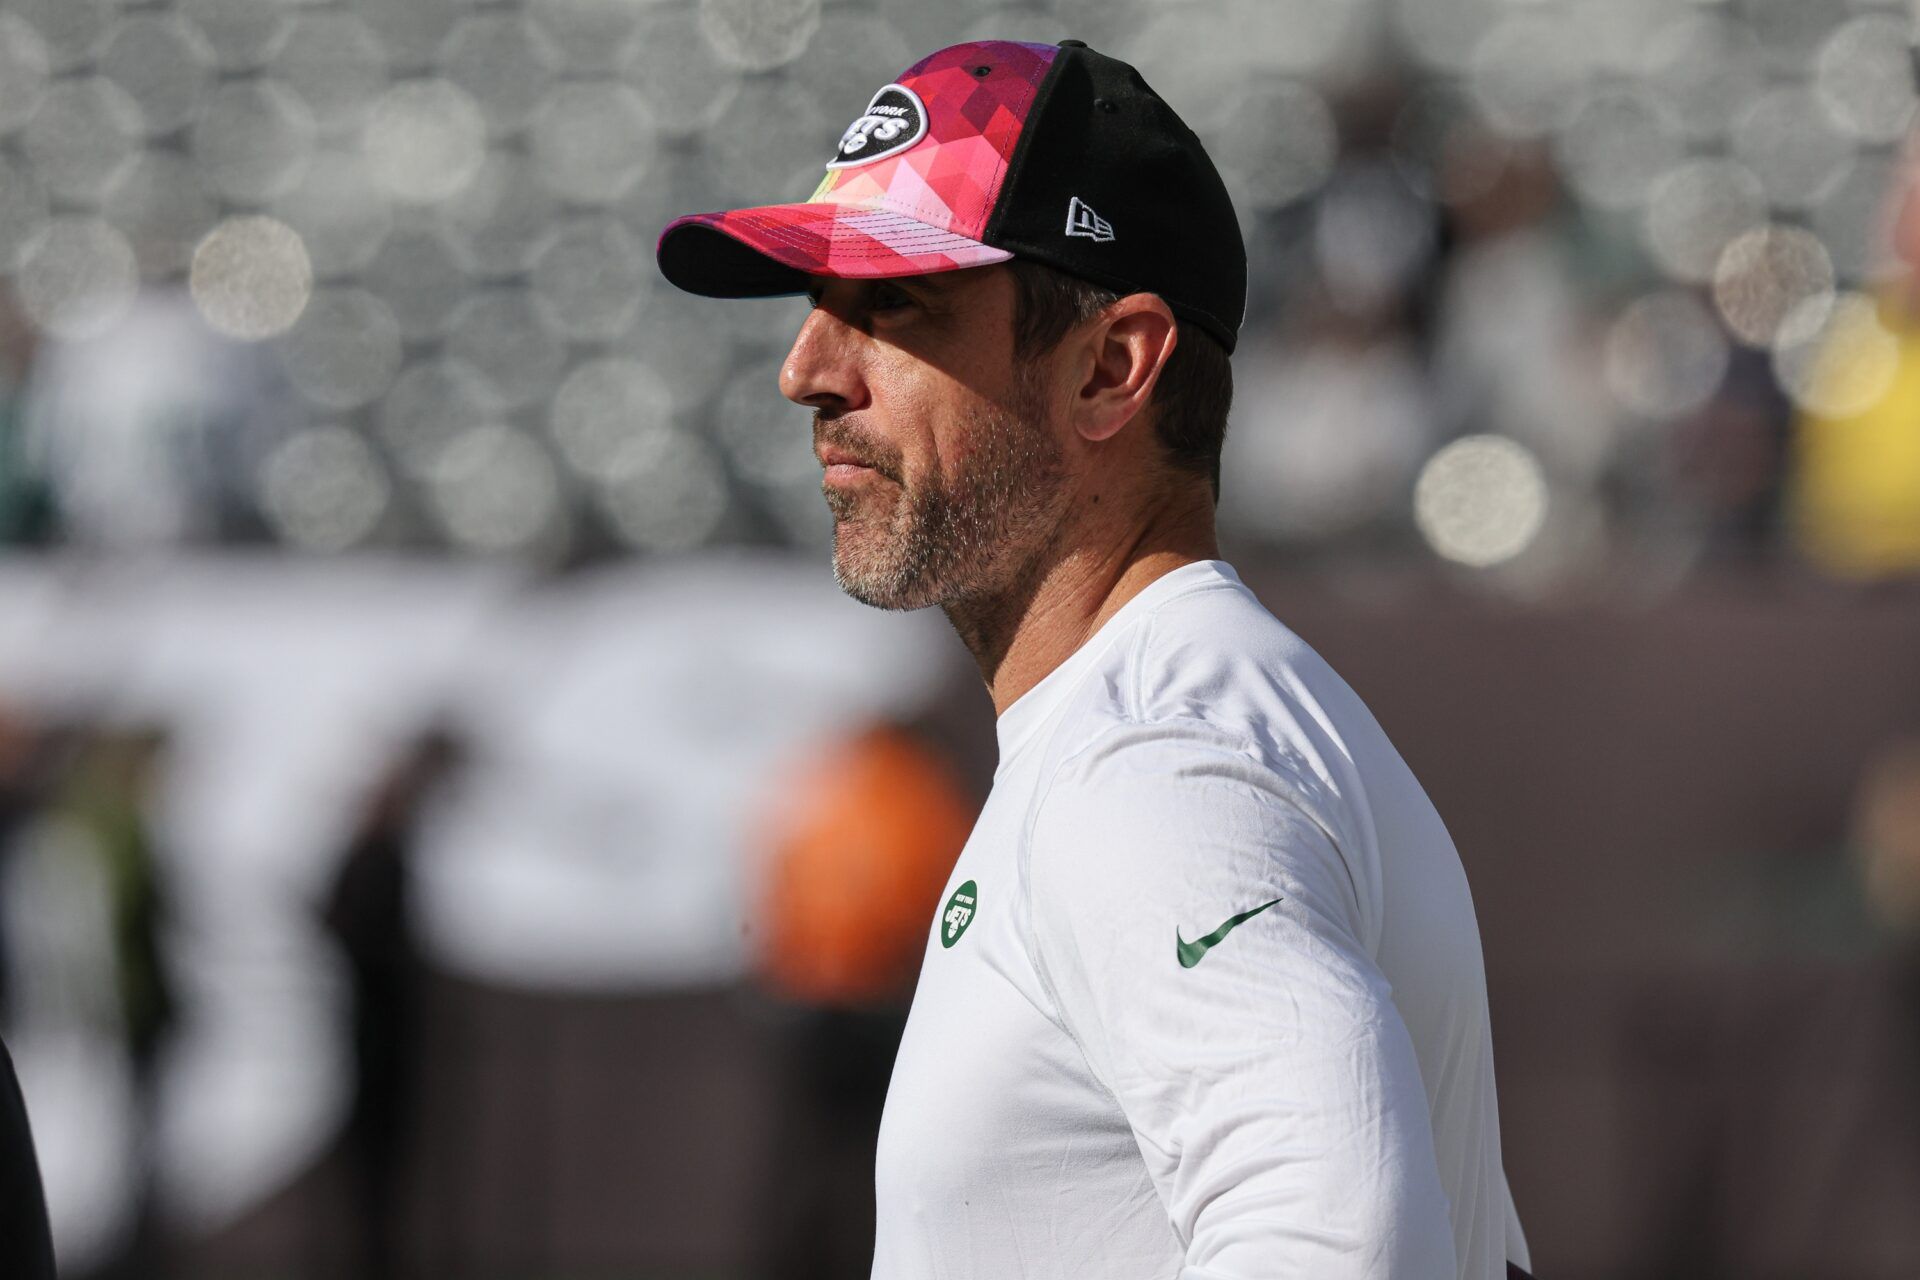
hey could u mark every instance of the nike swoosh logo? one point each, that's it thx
(1190, 952)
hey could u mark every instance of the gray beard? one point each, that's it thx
(966, 536)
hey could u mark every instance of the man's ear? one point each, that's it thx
(1121, 356)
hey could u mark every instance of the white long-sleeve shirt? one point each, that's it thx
(1205, 998)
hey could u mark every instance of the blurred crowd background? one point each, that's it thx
(451, 825)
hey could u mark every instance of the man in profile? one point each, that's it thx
(1204, 995)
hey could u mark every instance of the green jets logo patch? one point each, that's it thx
(959, 913)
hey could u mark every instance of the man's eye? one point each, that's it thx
(880, 297)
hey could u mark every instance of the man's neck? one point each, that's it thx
(1068, 591)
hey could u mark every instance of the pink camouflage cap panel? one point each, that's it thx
(920, 204)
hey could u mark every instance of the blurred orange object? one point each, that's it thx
(860, 840)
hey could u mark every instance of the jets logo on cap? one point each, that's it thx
(892, 122)
(1083, 221)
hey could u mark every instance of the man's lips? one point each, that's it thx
(843, 466)
(833, 457)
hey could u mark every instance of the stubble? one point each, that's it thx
(948, 538)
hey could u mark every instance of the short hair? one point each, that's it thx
(1195, 391)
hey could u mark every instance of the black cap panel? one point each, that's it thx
(1110, 185)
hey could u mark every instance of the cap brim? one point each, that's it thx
(770, 250)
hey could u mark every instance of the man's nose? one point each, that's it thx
(822, 370)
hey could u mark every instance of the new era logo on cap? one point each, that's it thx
(1083, 221)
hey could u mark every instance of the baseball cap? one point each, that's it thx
(985, 151)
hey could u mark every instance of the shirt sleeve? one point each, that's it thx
(1268, 1078)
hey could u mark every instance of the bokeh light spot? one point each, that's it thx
(251, 277)
(1480, 501)
(1665, 355)
(425, 141)
(1765, 273)
(759, 35)
(78, 278)
(1835, 357)
(323, 489)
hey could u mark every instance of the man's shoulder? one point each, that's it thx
(1211, 666)
(1213, 648)
(1209, 684)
